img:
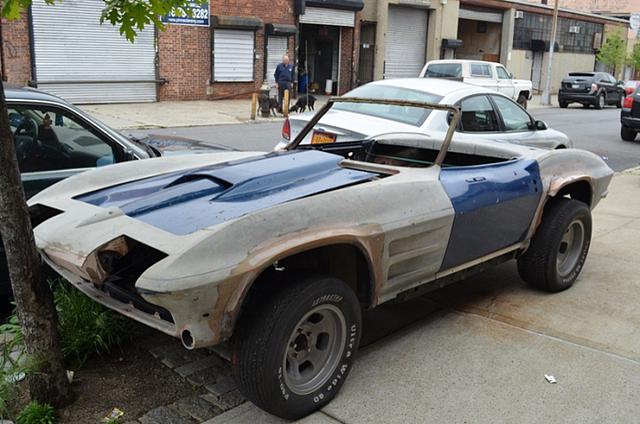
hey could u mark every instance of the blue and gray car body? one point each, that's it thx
(177, 243)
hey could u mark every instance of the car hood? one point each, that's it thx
(169, 145)
(189, 200)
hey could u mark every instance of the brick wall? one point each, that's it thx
(185, 52)
(349, 56)
(16, 53)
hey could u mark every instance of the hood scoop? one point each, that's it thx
(186, 201)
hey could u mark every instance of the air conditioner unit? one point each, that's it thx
(574, 29)
(519, 14)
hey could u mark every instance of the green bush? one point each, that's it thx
(12, 363)
(85, 327)
(37, 413)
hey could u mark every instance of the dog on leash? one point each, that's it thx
(268, 103)
(302, 104)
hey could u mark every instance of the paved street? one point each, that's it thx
(590, 129)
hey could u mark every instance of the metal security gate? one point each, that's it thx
(406, 42)
(276, 48)
(322, 16)
(82, 61)
(233, 55)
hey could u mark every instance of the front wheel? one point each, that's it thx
(627, 134)
(559, 248)
(563, 104)
(292, 355)
(620, 102)
(522, 100)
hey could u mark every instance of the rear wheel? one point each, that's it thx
(292, 355)
(619, 104)
(600, 101)
(563, 104)
(559, 248)
(522, 100)
(627, 134)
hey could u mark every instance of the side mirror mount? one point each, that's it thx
(540, 125)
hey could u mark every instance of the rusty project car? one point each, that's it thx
(279, 253)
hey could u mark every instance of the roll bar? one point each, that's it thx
(453, 123)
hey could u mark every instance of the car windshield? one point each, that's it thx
(405, 114)
(444, 70)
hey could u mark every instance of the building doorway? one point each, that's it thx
(318, 55)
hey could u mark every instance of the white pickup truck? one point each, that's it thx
(485, 74)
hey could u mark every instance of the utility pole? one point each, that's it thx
(546, 94)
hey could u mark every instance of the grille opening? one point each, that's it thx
(124, 271)
(40, 213)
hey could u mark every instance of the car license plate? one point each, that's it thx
(575, 85)
(320, 137)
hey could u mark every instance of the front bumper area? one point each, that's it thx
(194, 331)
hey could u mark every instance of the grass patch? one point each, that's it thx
(85, 327)
(37, 413)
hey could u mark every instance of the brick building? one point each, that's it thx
(234, 49)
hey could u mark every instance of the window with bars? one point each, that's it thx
(574, 36)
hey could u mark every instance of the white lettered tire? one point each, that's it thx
(292, 354)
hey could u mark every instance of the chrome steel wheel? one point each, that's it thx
(315, 348)
(570, 247)
(601, 102)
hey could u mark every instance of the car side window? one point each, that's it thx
(49, 139)
(513, 116)
(502, 73)
(478, 115)
(480, 70)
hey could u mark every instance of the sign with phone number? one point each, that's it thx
(199, 16)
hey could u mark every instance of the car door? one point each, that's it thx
(505, 83)
(52, 144)
(481, 74)
(605, 83)
(616, 89)
(519, 126)
(479, 120)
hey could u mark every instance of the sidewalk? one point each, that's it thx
(483, 358)
(194, 113)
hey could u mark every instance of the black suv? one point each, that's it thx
(591, 88)
(630, 114)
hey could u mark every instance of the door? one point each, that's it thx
(481, 74)
(536, 70)
(505, 83)
(406, 42)
(494, 206)
(479, 121)
(83, 61)
(276, 48)
(518, 125)
(53, 144)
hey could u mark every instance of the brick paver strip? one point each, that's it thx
(197, 408)
(164, 415)
(175, 355)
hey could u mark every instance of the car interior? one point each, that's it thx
(415, 151)
(47, 140)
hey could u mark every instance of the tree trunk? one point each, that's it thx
(34, 299)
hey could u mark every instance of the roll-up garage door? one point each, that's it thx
(322, 16)
(84, 62)
(233, 52)
(276, 48)
(406, 42)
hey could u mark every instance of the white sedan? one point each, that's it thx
(486, 116)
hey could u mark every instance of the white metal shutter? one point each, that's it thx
(480, 15)
(233, 55)
(276, 48)
(406, 42)
(81, 61)
(322, 16)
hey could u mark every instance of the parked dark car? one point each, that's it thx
(630, 115)
(591, 88)
(55, 140)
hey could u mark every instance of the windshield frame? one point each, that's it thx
(452, 109)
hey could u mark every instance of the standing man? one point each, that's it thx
(284, 77)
